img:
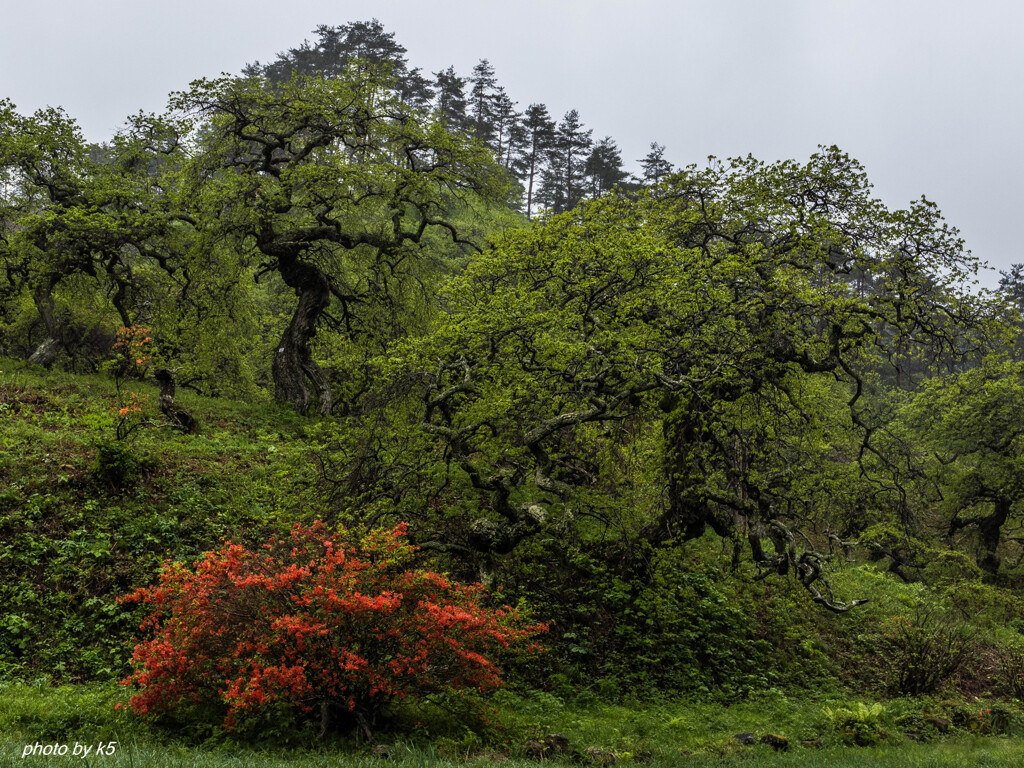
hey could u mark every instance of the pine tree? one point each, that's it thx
(654, 166)
(604, 167)
(337, 47)
(506, 123)
(364, 40)
(450, 99)
(482, 98)
(562, 182)
(538, 137)
(415, 89)
(1012, 284)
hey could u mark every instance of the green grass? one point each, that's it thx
(970, 753)
(670, 733)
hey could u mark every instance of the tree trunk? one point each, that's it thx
(293, 361)
(687, 514)
(990, 530)
(46, 353)
(178, 415)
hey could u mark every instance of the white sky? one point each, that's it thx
(926, 93)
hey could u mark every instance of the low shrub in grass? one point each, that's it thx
(314, 624)
(924, 651)
(859, 723)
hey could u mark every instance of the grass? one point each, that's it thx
(969, 753)
(671, 733)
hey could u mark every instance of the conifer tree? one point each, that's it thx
(450, 98)
(604, 167)
(538, 137)
(337, 47)
(482, 102)
(1012, 284)
(562, 182)
(506, 125)
(654, 166)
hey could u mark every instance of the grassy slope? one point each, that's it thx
(85, 517)
(74, 536)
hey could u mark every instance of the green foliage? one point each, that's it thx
(671, 346)
(348, 197)
(38, 712)
(861, 713)
(671, 629)
(963, 432)
(115, 465)
(84, 517)
(923, 651)
(860, 725)
(1011, 671)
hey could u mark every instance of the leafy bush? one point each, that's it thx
(924, 651)
(1011, 668)
(625, 630)
(115, 465)
(861, 713)
(313, 621)
(861, 724)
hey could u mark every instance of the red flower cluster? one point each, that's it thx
(313, 618)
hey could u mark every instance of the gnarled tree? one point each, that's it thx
(714, 320)
(341, 189)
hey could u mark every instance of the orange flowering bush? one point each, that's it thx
(130, 413)
(132, 358)
(131, 349)
(313, 621)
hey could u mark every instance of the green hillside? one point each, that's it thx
(348, 416)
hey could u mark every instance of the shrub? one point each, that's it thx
(625, 631)
(1011, 671)
(861, 725)
(924, 651)
(314, 622)
(116, 465)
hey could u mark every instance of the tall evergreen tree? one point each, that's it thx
(364, 40)
(336, 47)
(450, 98)
(506, 122)
(604, 167)
(1012, 284)
(654, 166)
(416, 90)
(482, 102)
(562, 182)
(538, 138)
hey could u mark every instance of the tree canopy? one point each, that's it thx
(711, 322)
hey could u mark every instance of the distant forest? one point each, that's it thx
(558, 163)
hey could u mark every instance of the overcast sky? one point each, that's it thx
(926, 93)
